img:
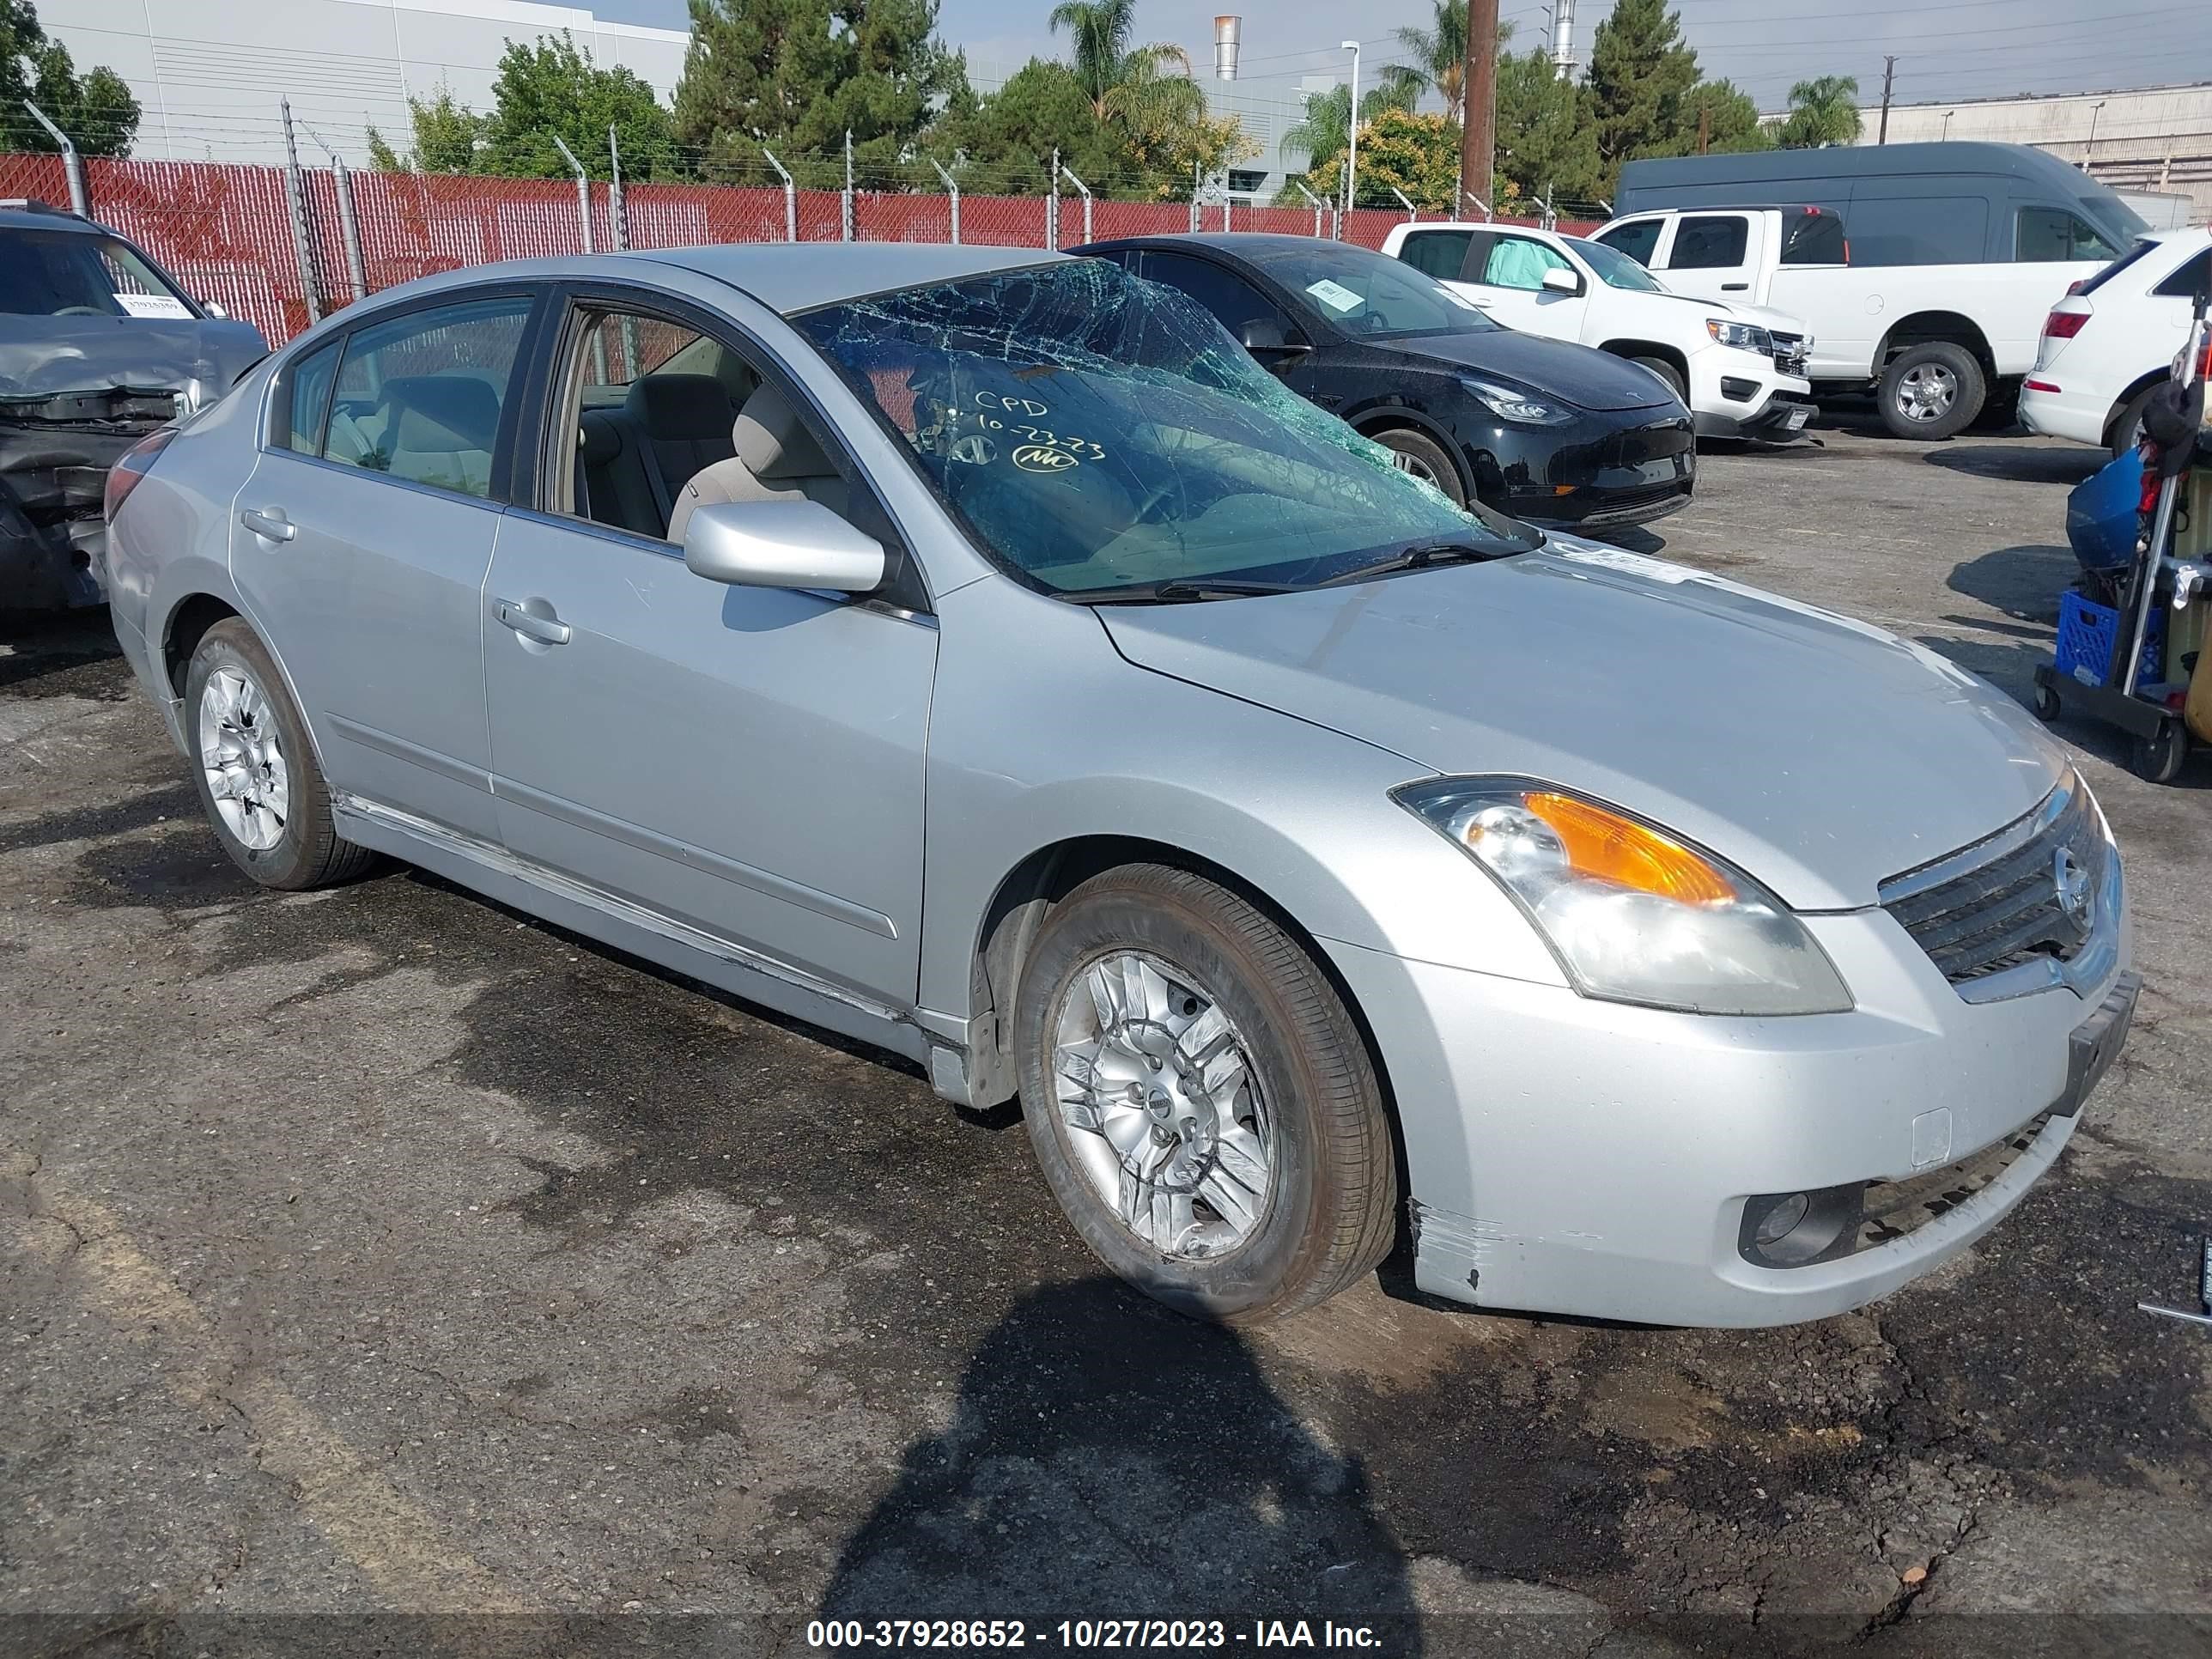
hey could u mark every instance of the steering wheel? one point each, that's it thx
(81, 311)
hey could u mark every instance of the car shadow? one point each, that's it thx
(39, 650)
(2067, 464)
(1105, 1457)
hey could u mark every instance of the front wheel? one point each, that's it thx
(1425, 459)
(1670, 375)
(1201, 1103)
(1932, 391)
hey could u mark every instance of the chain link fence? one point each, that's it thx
(228, 232)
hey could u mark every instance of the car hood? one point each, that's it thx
(1765, 317)
(42, 356)
(1583, 376)
(1819, 754)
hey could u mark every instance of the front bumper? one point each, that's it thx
(1742, 394)
(1577, 1156)
(1608, 470)
(1781, 417)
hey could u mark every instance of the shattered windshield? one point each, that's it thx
(69, 274)
(1099, 434)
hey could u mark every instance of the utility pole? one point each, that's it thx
(1478, 142)
(1704, 127)
(1888, 75)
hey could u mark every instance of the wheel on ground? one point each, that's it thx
(1667, 372)
(1201, 1102)
(1931, 390)
(2127, 426)
(255, 772)
(2158, 759)
(1423, 456)
(2047, 706)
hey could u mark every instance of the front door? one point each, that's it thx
(362, 541)
(1508, 282)
(746, 761)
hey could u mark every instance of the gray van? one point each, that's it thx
(1910, 204)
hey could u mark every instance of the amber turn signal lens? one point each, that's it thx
(1613, 848)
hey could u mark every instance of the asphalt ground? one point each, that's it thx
(386, 1272)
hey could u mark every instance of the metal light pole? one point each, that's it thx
(1315, 199)
(1084, 191)
(2095, 110)
(349, 225)
(72, 163)
(952, 189)
(790, 197)
(583, 192)
(1351, 147)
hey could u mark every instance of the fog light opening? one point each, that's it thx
(1796, 1230)
(1780, 1220)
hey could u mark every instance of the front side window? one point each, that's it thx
(69, 274)
(1638, 239)
(2054, 236)
(1709, 241)
(1234, 302)
(1615, 269)
(1437, 253)
(1101, 435)
(419, 397)
(1520, 262)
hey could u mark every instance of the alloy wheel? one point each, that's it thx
(1414, 465)
(1925, 393)
(1166, 1119)
(243, 755)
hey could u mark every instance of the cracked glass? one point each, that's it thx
(1101, 435)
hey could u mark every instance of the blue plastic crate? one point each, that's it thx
(2087, 631)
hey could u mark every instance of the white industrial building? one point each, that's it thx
(209, 77)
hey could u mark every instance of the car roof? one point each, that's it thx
(793, 276)
(1234, 241)
(39, 216)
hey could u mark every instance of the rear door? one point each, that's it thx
(1713, 256)
(361, 542)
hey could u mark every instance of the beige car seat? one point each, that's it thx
(777, 460)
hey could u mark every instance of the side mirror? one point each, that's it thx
(1559, 280)
(1264, 336)
(782, 544)
(214, 310)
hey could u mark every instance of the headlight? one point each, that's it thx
(1743, 335)
(1632, 913)
(1509, 404)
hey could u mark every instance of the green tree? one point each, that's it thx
(95, 109)
(1547, 143)
(1640, 77)
(1002, 145)
(1416, 154)
(553, 86)
(1326, 129)
(446, 137)
(1731, 120)
(1439, 54)
(1822, 111)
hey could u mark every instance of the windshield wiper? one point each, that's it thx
(1177, 590)
(1421, 556)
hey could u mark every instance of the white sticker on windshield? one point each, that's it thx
(1334, 295)
(152, 305)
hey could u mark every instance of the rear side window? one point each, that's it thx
(306, 400)
(1813, 239)
(1437, 253)
(2186, 283)
(1713, 241)
(1919, 230)
(2054, 236)
(1638, 239)
(419, 396)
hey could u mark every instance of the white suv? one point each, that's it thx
(2109, 344)
(1740, 368)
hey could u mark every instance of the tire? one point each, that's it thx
(2159, 759)
(1291, 1077)
(1932, 391)
(2126, 430)
(278, 828)
(1667, 372)
(1424, 457)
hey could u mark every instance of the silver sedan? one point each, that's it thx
(976, 652)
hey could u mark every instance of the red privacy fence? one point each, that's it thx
(225, 230)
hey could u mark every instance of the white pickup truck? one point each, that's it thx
(1937, 341)
(1740, 368)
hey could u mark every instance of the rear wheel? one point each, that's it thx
(1668, 373)
(1422, 456)
(1201, 1103)
(258, 778)
(1932, 390)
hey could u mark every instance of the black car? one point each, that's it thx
(1544, 431)
(98, 347)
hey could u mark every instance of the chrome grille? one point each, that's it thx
(1789, 351)
(1996, 904)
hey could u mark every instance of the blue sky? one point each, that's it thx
(1946, 49)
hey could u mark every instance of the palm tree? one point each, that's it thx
(1439, 55)
(1327, 125)
(1824, 111)
(1129, 83)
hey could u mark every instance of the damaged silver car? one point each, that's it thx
(98, 348)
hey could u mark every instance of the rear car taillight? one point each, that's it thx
(123, 478)
(2065, 324)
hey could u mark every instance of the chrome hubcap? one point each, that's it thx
(1413, 464)
(244, 760)
(1926, 393)
(1166, 1118)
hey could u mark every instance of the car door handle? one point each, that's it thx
(1735, 288)
(551, 630)
(273, 525)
